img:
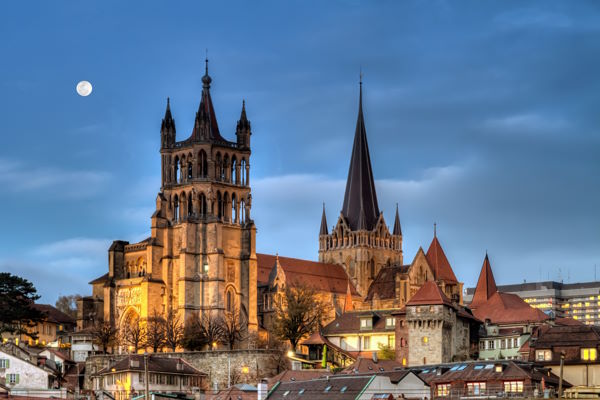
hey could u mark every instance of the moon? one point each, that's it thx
(84, 88)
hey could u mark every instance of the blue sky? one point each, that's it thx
(481, 116)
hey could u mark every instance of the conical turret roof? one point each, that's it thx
(486, 284)
(360, 200)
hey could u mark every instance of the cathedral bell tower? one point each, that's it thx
(202, 222)
(361, 240)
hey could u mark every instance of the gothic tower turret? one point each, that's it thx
(361, 240)
(200, 257)
(243, 130)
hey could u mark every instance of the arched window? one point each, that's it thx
(176, 170)
(218, 167)
(233, 209)
(176, 208)
(202, 204)
(229, 301)
(372, 268)
(190, 205)
(234, 166)
(219, 205)
(226, 216)
(202, 164)
(243, 172)
(224, 175)
(242, 212)
(190, 170)
(182, 169)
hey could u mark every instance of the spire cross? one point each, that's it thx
(434, 229)
(361, 75)
(206, 62)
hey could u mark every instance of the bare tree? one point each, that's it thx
(232, 325)
(104, 335)
(133, 334)
(173, 330)
(298, 313)
(155, 332)
(202, 331)
(68, 304)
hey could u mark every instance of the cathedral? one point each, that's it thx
(201, 254)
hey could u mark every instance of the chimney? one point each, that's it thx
(179, 366)
(375, 357)
(262, 389)
(133, 363)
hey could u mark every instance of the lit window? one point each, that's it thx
(404, 362)
(443, 389)
(392, 341)
(513, 386)
(425, 339)
(366, 342)
(543, 355)
(366, 323)
(390, 322)
(589, 354)
(476, 388)
(498, 368)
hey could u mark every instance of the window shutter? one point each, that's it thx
(17, 379)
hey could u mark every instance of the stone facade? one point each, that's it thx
(436, 335)
(200, 256)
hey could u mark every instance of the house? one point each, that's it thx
(81, 344)
(508, 378)
(580, 346)
(23, 376)
(49, 330)
(126, 377)
(509, 320)
(350, 387)
(297, 375)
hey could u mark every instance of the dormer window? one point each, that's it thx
(366, 323)
(390, 322)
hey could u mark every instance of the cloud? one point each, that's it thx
(18, 177)
(73, 246)
(530, 123)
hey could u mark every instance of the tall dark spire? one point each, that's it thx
(323, 230)
(397, 228)
(206, 127)
(167, 127)
(243, 122)
(360, 200)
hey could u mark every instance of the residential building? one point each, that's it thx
(580, 346)
(506, 378)
(580, 301)
(24, 376)
(508, 319)
(353, 387)
(50, 330)
(125, 378)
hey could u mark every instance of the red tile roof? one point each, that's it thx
(429, 294)
(350, 322)
(53, 314)
(384, 284)
(439, 263)
(320, 276)
(364, 365)
(504, 308)
(486, 285)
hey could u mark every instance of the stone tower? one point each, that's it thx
(200, 257)
(203, 215)
(361, 240)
